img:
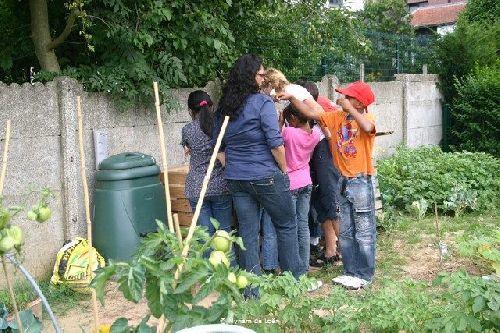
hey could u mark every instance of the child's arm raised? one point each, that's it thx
(364, 123)
(307, 108)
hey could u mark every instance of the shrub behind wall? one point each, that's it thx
(476, 111)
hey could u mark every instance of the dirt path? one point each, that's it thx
(80, 319)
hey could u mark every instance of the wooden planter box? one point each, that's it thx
(179, 202)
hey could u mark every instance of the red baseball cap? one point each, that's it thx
(359, 90)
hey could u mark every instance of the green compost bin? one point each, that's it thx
(128, 198)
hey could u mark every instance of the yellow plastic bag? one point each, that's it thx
(71, 267)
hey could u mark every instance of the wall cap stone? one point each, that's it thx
(416, 77)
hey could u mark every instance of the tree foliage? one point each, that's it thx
(120, 46)
(473, 43)
(476, 111)
(298, 37)
(481, 11)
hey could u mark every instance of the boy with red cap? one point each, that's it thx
(353, 136)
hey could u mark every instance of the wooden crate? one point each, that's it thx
(180, 204)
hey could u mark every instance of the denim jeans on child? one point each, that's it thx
(301, 201)
(273, 194)
(269, 246)
(218, 207)
(357, 227)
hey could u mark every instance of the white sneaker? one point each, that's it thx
(340, 279)
(364, 282)
(352, 283)
(355, 283)
(315, 286)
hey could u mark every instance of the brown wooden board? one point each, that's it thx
(181, 205)
(185, 219)
(176, 192)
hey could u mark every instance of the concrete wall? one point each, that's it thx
(422, 108)
(44, 149)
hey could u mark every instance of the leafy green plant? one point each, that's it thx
(483, 246)
(474, 304)
(419, 208)
(152, 273)
(454, 181)
(31, 324)
(282, 306)
(11, 243)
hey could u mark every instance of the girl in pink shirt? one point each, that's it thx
(300, 141)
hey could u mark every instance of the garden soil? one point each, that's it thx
(80, 319)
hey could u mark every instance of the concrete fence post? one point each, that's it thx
(68, 89)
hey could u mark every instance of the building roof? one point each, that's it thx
(409, 2)
(438, 15)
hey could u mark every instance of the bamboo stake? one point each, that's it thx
(177, 228)
(5, 154)
(204, 187)
(86, 199)
(12, 296)
(163, 157)
(4, 264)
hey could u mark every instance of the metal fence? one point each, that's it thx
(390, 54)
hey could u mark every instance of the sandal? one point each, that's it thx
(323, 261)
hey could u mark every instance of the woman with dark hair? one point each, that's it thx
(255, 165)
(196, 141)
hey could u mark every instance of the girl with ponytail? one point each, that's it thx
(197, 143)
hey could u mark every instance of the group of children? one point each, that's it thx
(336, 143)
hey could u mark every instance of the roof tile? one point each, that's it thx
(434, 16)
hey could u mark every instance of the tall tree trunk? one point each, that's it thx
(40, 33)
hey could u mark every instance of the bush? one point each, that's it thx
(454, 181)
(476, 112)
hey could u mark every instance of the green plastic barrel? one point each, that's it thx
(128, 198)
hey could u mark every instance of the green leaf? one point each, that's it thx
(205, 290)
(215, 223)
(478, 304)
(239, 242)
(189, 280)
(144, 327)
(99, 281)
(120, 326)
(31, 324)
(153, 296)
(132, 284)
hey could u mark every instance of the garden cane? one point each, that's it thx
(4, 265)
(92, 253)
(163, 156)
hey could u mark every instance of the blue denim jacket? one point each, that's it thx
(249, 139)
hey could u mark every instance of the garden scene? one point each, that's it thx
(162, 167)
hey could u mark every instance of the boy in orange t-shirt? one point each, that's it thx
(353, 136)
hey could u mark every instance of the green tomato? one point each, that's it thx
(16, 234)
(32, 215)
(231, 277)
(44, 214)
(6, 244)
(218, 257)
(242, 281)
(221, 241)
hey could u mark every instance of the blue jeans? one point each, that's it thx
(300, 199)
(357, 227)
(216, 206)
(273, 194)
(269, 246)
